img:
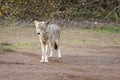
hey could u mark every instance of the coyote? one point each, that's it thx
(49, 35)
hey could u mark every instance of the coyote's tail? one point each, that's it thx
(55, 45)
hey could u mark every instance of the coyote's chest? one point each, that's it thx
(45, 38)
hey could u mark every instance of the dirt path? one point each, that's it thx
(83, 63)
(87, 55)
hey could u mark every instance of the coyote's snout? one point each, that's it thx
(49, 35)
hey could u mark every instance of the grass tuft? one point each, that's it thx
(110, 29)
(5, 47)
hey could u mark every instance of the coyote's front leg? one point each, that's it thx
(43, 51)
(46, 53)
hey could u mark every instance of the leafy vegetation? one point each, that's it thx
(29, 9)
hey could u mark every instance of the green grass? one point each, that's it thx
(8, 47)
(74, 41)
(29, 46)
(23, 45)
(110, 29)
(5, 47)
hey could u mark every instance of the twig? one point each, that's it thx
(112, 12)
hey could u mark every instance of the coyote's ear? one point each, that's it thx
(47, 22)
(37, 23)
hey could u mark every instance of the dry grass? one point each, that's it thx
(25, 38)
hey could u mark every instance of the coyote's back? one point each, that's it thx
(54, 32)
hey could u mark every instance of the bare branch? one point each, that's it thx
(112, 11)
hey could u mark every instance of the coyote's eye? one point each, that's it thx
(39, 33)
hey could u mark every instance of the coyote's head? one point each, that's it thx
(42, 29)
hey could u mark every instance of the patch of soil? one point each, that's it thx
(84, 63)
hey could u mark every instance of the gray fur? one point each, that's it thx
(54, 32)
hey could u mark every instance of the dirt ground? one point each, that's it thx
(85, 56)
